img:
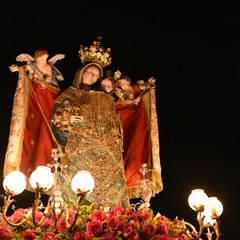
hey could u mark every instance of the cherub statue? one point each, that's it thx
(39, 67)
(128, 93)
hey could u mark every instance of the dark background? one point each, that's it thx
(192, 49)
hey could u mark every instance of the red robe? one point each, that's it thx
(38, 141)
(141, 143)
(30, 139)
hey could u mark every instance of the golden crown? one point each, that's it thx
(95, 53)
(117, 75)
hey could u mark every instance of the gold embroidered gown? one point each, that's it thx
(94, 145)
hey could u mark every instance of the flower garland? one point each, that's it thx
(93, 223)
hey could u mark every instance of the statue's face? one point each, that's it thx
(55, 153)
(107, 85)
(90, 75)
(42, 59)
(124, 84)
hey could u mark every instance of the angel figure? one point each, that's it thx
(39, 66)
(131, 94)
(30, 138)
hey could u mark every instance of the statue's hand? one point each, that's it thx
(74, 119)
(151, 80)
(13, 68)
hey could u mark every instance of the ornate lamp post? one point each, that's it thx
(208, 211)
(42, 180)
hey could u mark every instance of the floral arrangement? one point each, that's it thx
(92, 223)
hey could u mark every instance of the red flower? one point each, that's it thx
(94, 228)
(147, 230)
(128, 231)
(107, 236)
(117, 211)
(81, 236)
(133, 215)
(61, 225)
(163, 237)
(114, 223)
(182, 237)
(163, 218)
(97, 215)
(49, 236)
(163, 227)
(29, 235)
(4, 233)
(143, 215)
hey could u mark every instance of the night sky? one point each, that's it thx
(193, 51)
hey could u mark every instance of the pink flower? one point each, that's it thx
(97, 215)
(117, 211)
(38, 216)
(29, 235)
(4, 233)
(147, 230)
(46, 222)
(71, 214)
(81, 236)
(18, 215)
(49, 236)
(95, 227)
(61, 225)
(128, 231)
(114, 223)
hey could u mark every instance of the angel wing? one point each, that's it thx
(55, 58)
(24, 57)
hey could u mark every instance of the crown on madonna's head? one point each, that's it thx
(95, 53)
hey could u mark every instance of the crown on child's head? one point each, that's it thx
(95, 53)
(117, 75)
